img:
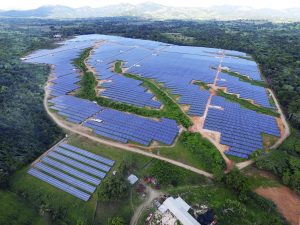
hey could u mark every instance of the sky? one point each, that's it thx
(31, 4)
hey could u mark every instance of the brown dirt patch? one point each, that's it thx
(281, 126)
(185, 108)
(198, 124)
(286, 201)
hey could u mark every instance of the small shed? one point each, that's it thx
(132, 179)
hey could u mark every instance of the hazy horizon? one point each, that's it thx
(32, 4)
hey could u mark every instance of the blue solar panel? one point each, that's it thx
(71, 171)
(176, 68)
(69, 174)
(88, 154)
(245, 90)
(66, 178)
(58, 184)
(82, 159)
(240, 128)
(126, 127)
(77, 164)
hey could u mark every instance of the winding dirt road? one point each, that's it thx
(287, 130)
(151, 195)
(78, 130)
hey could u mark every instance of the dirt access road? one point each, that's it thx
(287, 130)
(286, 201)
(78, 130)
(151, 195)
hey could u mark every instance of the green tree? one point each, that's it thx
(116, 221)
(238, 182)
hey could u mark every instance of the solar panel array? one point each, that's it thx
(124, 127)
(138, 129)
(75, 109)
(177, 71)
(242, 66)
(73, 170)
(177, 67)
(245, 90)
(64, 73)
(240, 128)
(120, 88)
(130, 91)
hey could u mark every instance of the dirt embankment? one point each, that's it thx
(286, 201)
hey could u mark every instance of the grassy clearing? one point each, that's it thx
(203, 85)
(246, 104)
(15, 211)
(258, 180)
(196, 151)
(118, 67)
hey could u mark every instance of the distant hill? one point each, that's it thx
(156, 11)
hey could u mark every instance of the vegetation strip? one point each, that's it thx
(172, 110)
(245, 78)
(201, 84)
(246, 104)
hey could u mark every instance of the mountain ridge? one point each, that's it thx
(152, 10)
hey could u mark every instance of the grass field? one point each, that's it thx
(16, 211)
(194, 150)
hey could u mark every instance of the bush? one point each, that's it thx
(239, 183)
(203, 149)
(116, 186)
(116, 221)
(284, 163)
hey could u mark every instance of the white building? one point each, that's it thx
(132, 179)
(179, 208)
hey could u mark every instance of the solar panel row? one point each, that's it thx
(128, 90)
(126, 127)
(88, 154)
(58, 184)
(82, 159)
(74, 109)
(245, 90)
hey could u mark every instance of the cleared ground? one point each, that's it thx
(287, 202)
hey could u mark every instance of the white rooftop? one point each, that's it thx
(179, 208)
(132, 179)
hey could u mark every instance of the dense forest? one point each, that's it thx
(26, 131)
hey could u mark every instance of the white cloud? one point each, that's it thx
(30, 4)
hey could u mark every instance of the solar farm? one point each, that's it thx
(176, 68)
(73, 170)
